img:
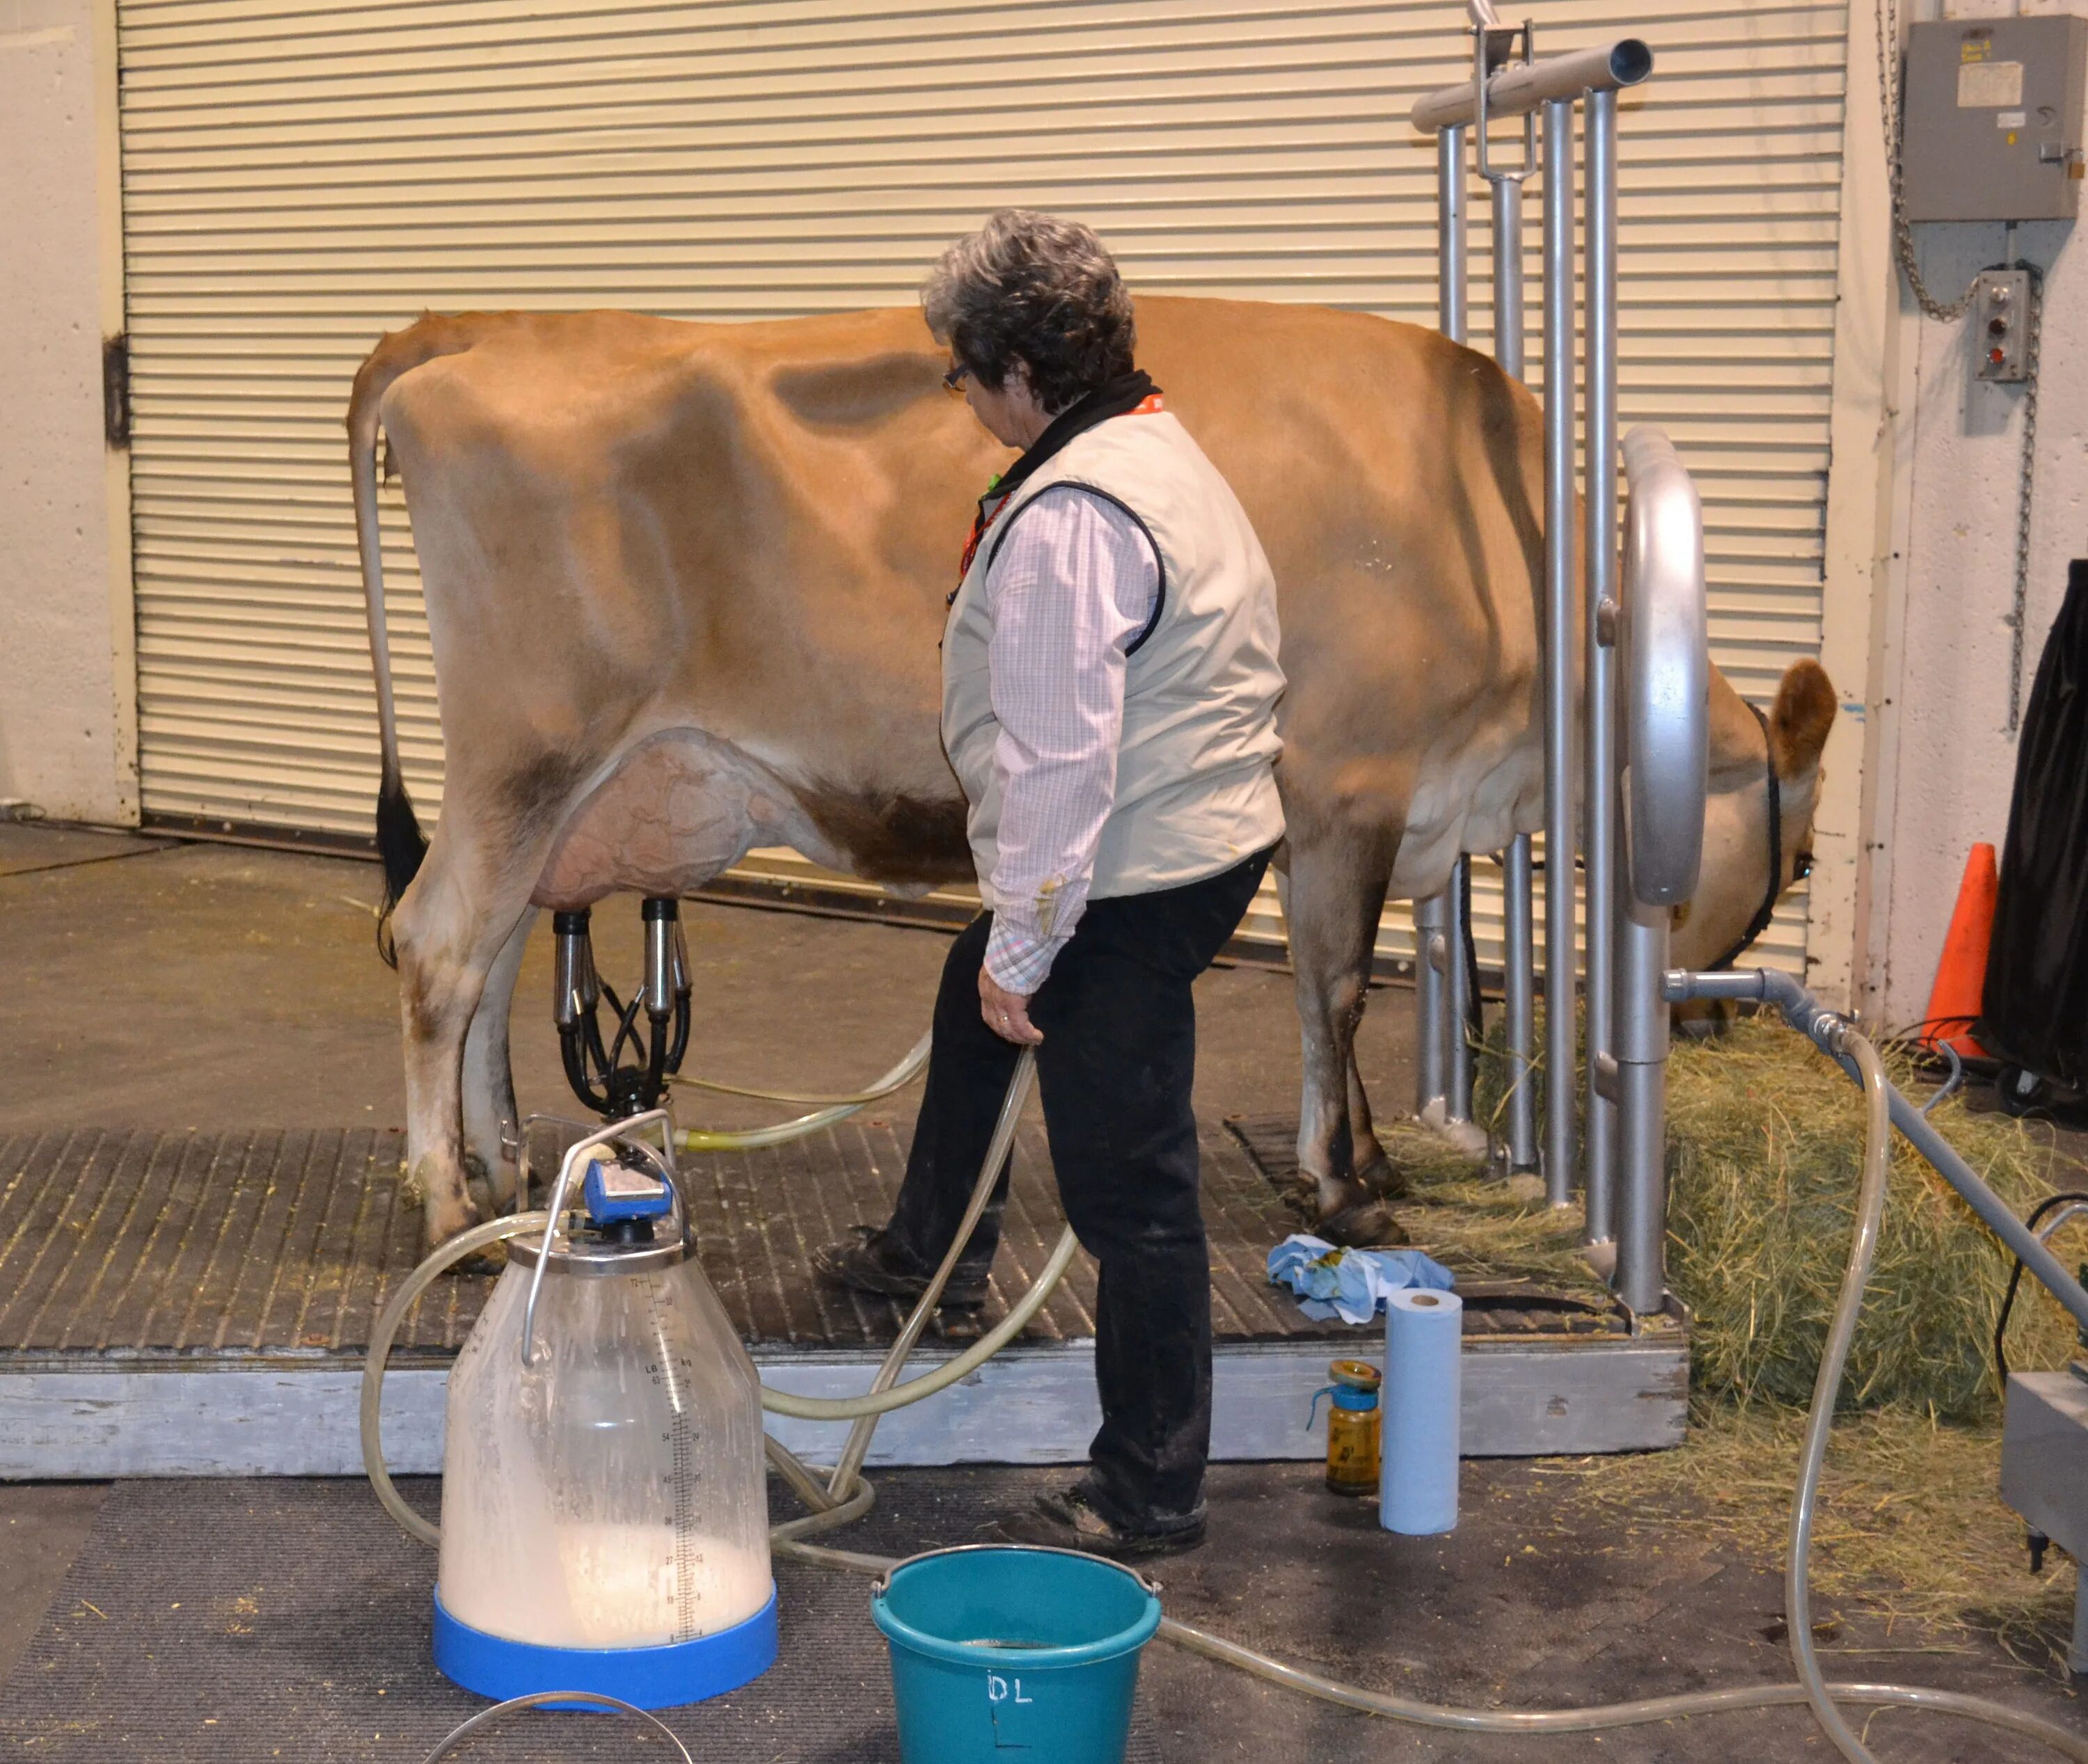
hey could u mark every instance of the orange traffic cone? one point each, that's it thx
(1961, 972)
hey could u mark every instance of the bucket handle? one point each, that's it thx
(883, 1584)
(575, 1153)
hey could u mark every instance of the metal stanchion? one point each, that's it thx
(1519, 930)
(1431, 946)
(1440, 1057)
(1559, 827)
(1623, 1019)
(1666, 672)
(1598, 841)
(1458, 1003)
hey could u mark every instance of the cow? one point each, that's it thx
(686, 583)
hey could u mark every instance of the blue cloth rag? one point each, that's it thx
(1349, 1283)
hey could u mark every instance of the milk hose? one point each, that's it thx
(845, 1499)
(830, 1109)
(897, 1079)
(564, 1699)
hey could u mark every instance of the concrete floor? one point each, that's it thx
(177, 986)
(166, 985)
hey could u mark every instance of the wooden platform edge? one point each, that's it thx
(1028, 1406)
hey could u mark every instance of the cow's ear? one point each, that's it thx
(1802, 715)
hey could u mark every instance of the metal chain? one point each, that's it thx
(1889, 104)
(1950, 311)
(2026, 482)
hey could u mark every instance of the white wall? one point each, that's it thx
(67, 689)
(1955, 760)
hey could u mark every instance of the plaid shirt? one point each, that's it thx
(1075, 583)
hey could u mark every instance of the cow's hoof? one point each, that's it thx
(1383, 1178)
(1366, 1225)
(1466, 1138)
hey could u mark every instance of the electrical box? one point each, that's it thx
(2000, 325)
(1992, 119)
(2045, 1472)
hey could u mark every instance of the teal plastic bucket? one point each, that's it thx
(998, 1651)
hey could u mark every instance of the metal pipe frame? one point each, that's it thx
(1817, 1023)
(1666, 742)
(1521, 87)
(1519, 952)
(1599, 837)
(1459, 1000)
(1559, 840)
(1439, 954)
(1431, 961)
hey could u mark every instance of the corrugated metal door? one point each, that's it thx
(300, 176)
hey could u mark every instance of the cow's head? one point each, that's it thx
(1735, 876)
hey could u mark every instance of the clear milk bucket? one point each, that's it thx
(605, 1504)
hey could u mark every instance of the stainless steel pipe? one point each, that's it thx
(1666, 731)
(1641, 1278)
(1519, 929)
(1432, 1088)
(1599, 840)
(1458, 1001)
(1439, 1029)
(1521, 87)
(1561, 837)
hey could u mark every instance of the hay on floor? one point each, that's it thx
(1910, 1524)
(1764, 1138)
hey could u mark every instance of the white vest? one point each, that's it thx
(1195, 792)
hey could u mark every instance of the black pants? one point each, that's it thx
(1115, 1068)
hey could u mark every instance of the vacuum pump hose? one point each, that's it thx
(846, 1495)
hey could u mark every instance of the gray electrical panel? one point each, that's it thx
(1993, 116)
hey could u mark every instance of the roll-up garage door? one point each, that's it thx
(300, 176)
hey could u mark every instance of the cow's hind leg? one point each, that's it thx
(492, 1120)
(451, 929)
(1337, 892)
(1372, 1166)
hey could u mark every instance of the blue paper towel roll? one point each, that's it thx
(1418, 1476)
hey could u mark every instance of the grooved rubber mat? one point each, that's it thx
(207, 1622)
(272, 1243)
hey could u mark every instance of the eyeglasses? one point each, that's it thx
(953, 381)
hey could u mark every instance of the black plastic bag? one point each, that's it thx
(2036, 1000)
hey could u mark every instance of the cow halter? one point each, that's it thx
(1767, 910)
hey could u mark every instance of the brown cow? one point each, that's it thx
(685, 582)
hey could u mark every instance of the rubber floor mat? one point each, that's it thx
(117, 1242)
(209, 1622)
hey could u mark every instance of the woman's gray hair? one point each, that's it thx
(1031, 288)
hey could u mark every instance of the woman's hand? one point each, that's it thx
(1006, 1014)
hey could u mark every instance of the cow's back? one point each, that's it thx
(753, 527)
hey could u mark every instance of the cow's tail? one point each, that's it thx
(401, 843)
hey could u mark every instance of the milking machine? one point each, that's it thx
(601, 1077)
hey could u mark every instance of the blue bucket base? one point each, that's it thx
(663, 1677)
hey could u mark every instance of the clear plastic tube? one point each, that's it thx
(1827, 1386)
(896, 1080)
(565, 1699)
(830, 1109)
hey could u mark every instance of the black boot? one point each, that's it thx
(870, 1261)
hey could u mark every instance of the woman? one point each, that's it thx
(1109, 685)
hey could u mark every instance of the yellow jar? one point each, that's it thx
(1354, 1425)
